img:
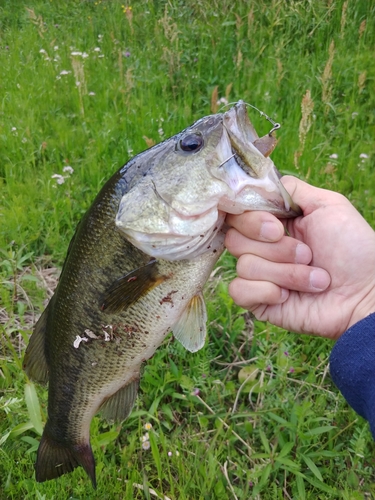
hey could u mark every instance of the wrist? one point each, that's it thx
(363, 309)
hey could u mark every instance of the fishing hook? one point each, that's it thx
(221, 164)
(275, 125)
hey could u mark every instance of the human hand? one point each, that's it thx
(318, 280)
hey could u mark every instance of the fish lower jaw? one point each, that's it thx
(174, 246)
(252, 198)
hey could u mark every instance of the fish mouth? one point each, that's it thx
(252, 176)
(176, 211)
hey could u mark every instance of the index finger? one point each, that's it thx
(260, 226)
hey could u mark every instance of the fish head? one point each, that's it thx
(192, 180)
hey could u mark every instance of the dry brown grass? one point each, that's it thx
(307, 107)
(327, 77)
(12, 324)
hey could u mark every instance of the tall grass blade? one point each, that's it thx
(33, 407)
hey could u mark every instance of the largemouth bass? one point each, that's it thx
(135, 270)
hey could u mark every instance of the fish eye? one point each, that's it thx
(191, 143)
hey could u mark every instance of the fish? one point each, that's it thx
(135, 270)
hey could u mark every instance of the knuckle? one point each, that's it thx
(244, 266)
(234, 289)
(297, 277)
(231, 239)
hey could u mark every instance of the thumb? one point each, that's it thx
(308, 197)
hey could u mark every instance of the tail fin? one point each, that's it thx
(55, 459)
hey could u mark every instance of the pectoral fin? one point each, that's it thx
(35, 362)
(191, 328)
(129, 288)
(119, 406)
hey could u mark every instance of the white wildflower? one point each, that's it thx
(363, 155)
(84, 55)
(60, 179)
(101, 55)
(68, 169)
(161, 132)
(56, 47)
(144, 438)
(334, 156)
(42, 51)
(78, 84)
(75, 53)
(146, 445)
(14, 129)
(354, 115)
(92, 93)
(64, 72)
(97, 49)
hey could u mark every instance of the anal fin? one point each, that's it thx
(191, 328)
(119, 406)
(35, 362)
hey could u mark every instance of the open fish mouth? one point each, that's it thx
(251, 174)
(267, 194)
(218, 165)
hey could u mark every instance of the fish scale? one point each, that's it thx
(135, 270)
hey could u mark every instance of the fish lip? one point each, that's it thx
(294, 209)
(237, 123)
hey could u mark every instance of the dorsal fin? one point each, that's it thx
(35, 361)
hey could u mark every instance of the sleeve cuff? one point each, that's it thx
(352, 367)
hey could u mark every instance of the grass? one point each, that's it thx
(254, 414)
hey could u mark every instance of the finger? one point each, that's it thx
(298, 277)
(309, 197)
(250, 294)
(260, 226)
(285, 250)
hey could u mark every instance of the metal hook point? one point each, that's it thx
(276, 126)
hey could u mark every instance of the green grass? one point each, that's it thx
(287, 433)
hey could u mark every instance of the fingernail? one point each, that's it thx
(284, 295)
(319, 279)
(303, 254)
(270, 231)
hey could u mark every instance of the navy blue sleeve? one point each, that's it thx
(352, 367)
